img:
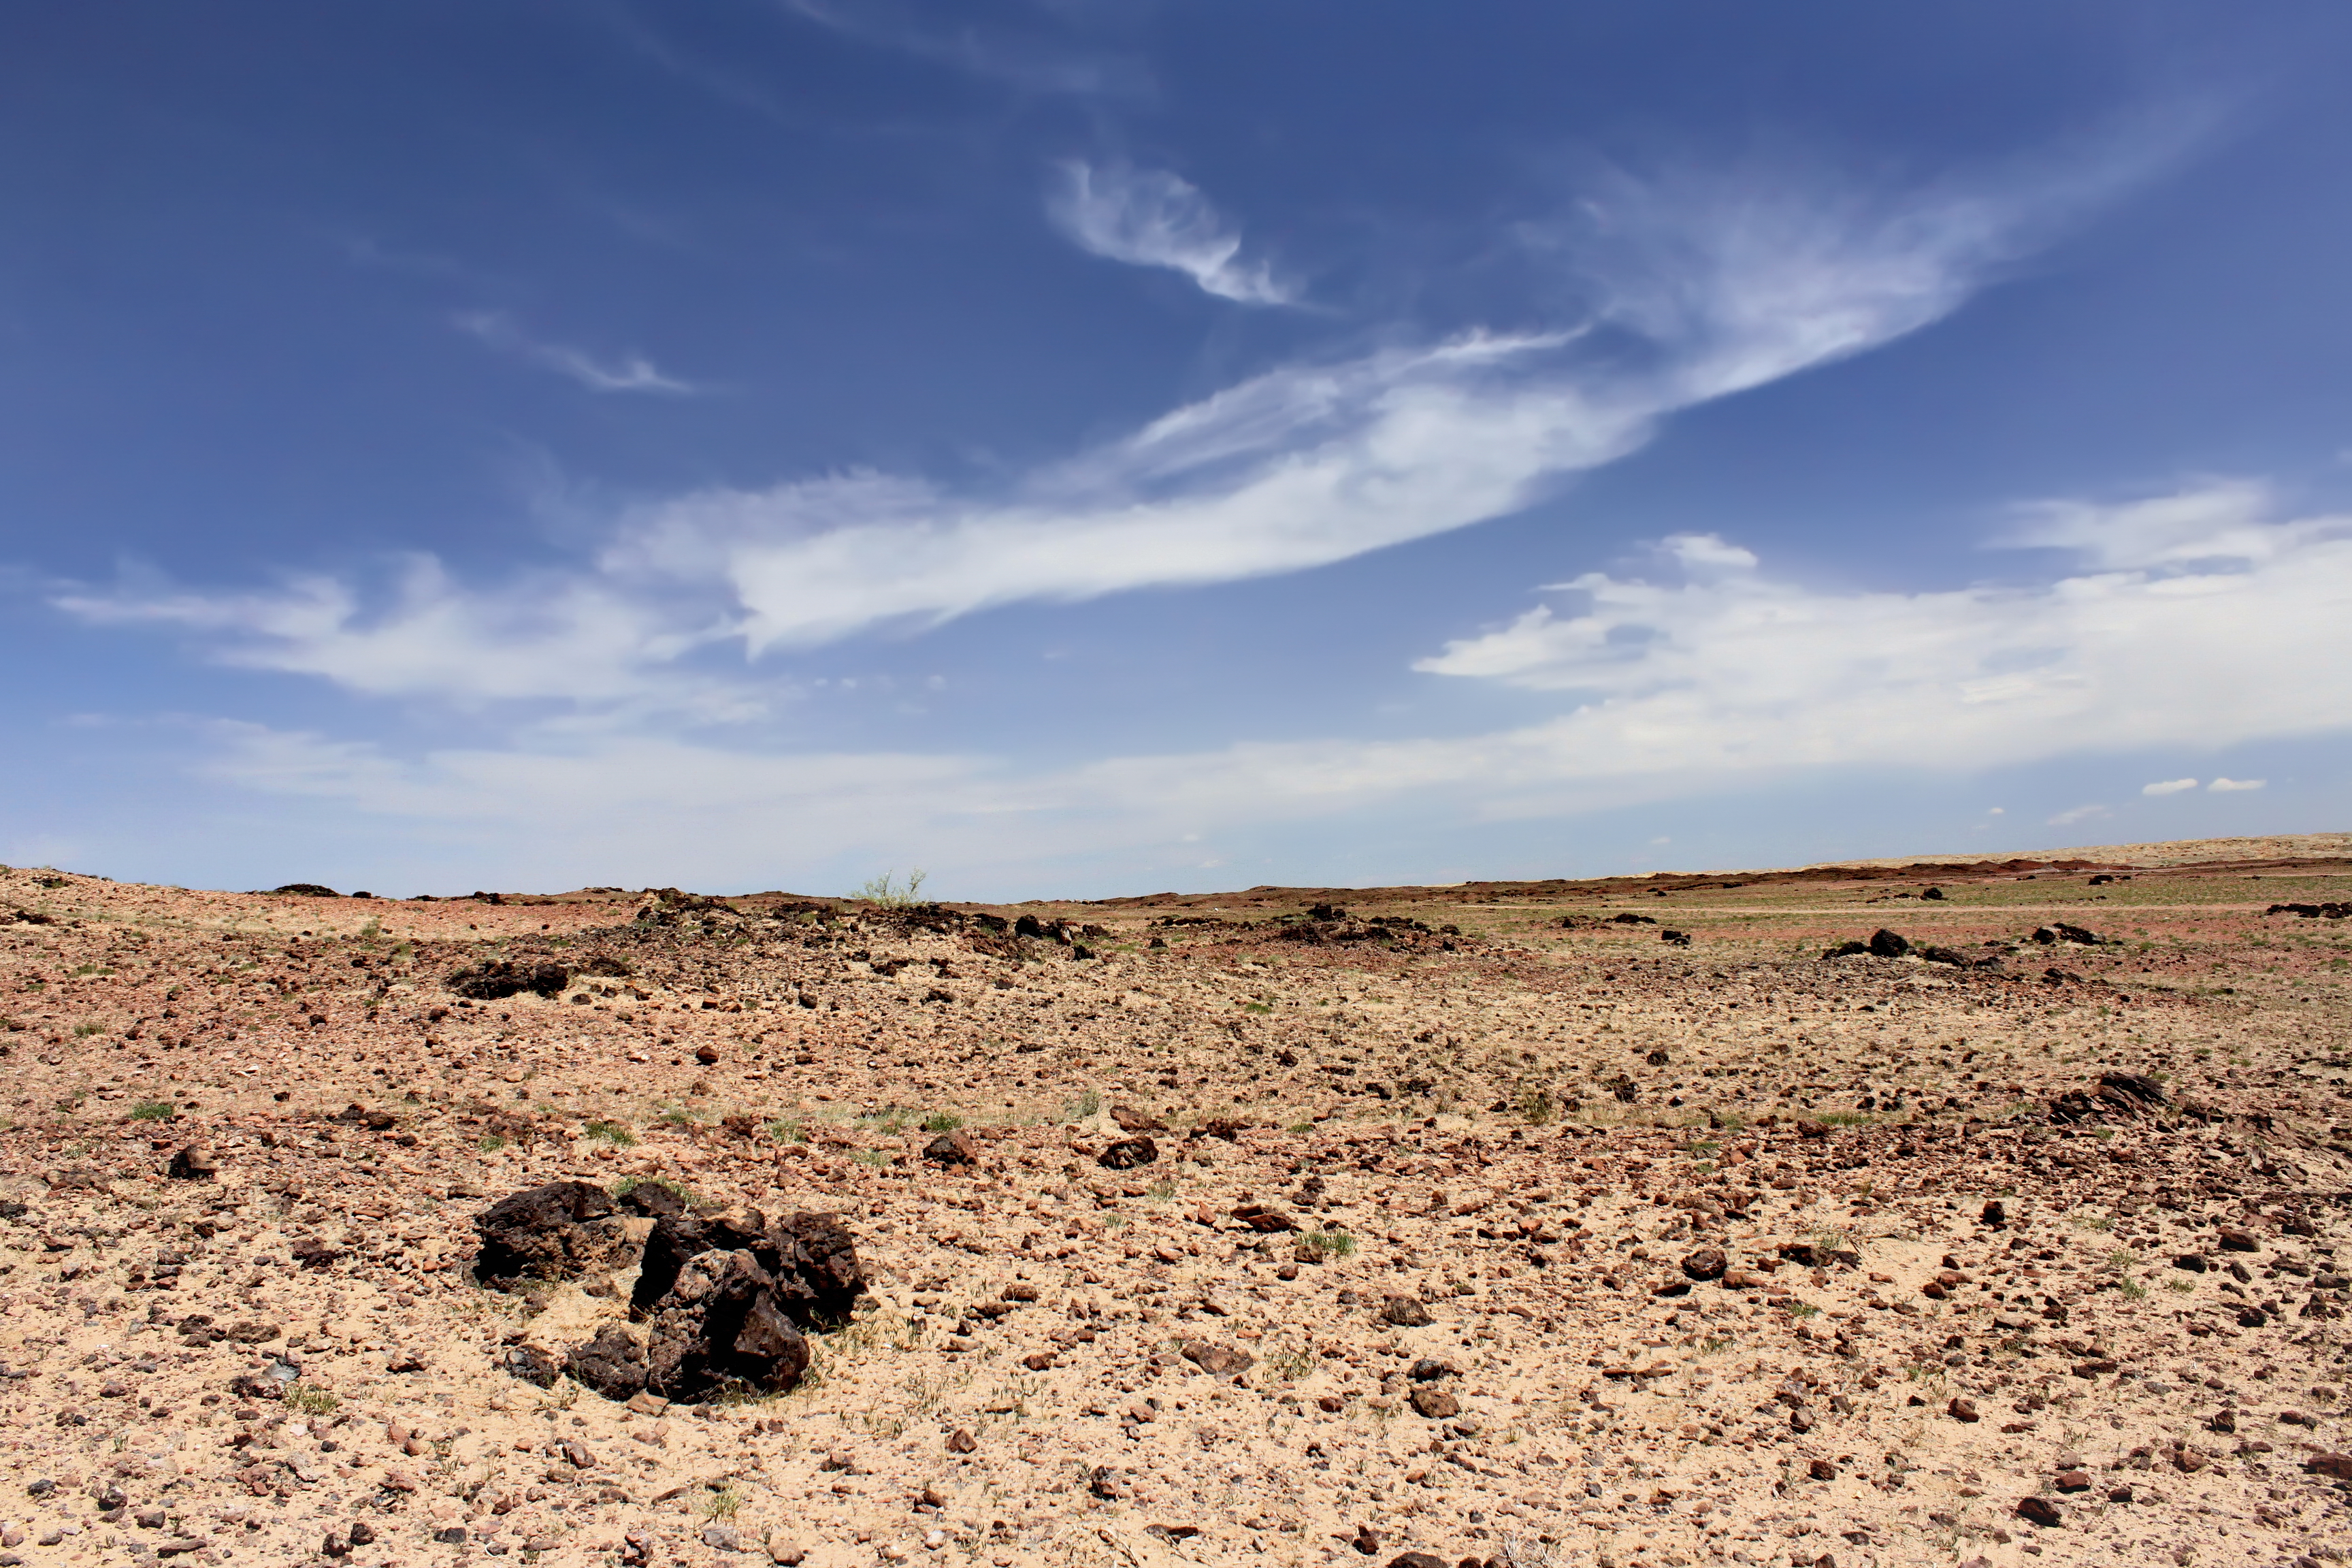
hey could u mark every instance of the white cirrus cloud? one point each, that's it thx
(1302, 466)
(2225, 786)
(2168, 786)
(631, 373)
(1148, 218)
(2073, 814)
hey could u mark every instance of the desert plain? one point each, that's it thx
(1670, 1220)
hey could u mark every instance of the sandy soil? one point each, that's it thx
(1536, 1131)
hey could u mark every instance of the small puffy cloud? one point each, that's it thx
(2224, 786)
(1998, 811)
(1150, 217)
(2073, 814)
(2169, 786)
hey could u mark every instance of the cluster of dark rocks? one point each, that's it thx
(722, 1301)
(1885, 943)
(495, 979)
(2119, 1096)
(2329, 912)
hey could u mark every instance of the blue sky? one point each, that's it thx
(1083, 448)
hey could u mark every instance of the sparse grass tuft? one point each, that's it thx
(83, 1029)
(490, 1143)
(1536, 1108)
(1328, 1243)
(1845, 1119)
(153, 1111)
(1165, 1187)
(787, 1130)
(942, 1121)
(1086, 1106)
(311, 1401)
(611, 1132)
(723, 1503)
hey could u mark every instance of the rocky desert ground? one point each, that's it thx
(1966, 1212)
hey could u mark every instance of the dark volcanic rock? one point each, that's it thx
(560, 1231)
(1885, 943)
(1707, 1263)
(721, 1326)
(810, 1259)
(1128, 1153)
(612, 1364)
(1405, 1312)
(495, 979)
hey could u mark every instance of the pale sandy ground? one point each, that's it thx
(1511, 1124)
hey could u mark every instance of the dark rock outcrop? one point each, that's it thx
(494, 979)
(560, 1231)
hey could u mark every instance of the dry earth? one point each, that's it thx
(1504, 1110)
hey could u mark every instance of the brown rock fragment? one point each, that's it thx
(2039, 1510)
(1436, 1404)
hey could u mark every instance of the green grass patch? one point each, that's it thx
(942, 1121)
(312, 1400)
(1086, 1106)
(787, 1130)
(85, 1029)
(153, 1111)
(1327, 1244)
(490, 1143)
(611, 1132)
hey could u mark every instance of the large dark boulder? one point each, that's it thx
(721, 1326)
(811, 1258)
(560, 1231)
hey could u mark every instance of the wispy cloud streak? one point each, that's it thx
(631, 373)
(1302, 466)
(1152, 218)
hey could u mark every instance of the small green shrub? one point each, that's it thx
(885, 892)
(490, 1143)
(942, 1121)
(153, 1111)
